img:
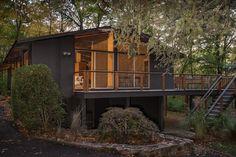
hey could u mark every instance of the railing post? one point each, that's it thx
(85, 83)
(116, 80)
(141, 81)
(74, 81)
(202, 83)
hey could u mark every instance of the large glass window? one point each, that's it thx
(133, 71)
(92, 56)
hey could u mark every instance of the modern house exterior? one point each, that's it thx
(95, 73)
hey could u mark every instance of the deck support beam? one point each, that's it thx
(161, 113)
(165, 104)
(189, 102)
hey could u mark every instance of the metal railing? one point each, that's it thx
(222, 94)
(207, 94)
(87, 80)
(92, 80)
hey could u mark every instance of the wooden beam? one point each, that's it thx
(110, 47)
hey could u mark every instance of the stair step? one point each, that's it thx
(219, 107)
(220, 104)
(210, 118)
(212, 115)
(227, 96)
(215, 111)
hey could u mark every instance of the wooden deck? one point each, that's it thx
(139, 93)
(143, 82)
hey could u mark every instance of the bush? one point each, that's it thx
(198, 122)
(36, 100)
(127, 126)
(224, 125)
(175, 104)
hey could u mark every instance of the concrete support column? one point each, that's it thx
(161, 113)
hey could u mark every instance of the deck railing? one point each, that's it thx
(95, 80)
(88, 80)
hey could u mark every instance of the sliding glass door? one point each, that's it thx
(133, 71)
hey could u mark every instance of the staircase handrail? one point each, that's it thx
(220, 96)
(208, 93)
(211, 89)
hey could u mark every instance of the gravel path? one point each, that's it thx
(12, 144)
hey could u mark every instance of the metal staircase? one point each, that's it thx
(226, 91)
(222, 100)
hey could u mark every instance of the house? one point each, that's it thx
(94, 73)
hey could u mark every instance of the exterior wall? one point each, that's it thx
(50, 52)
(156, 80)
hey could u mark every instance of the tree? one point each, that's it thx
(84, 13)
(178, 28)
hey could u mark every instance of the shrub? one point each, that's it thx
(36, 100)
(127, 126)
(198, 122)
(224, 125)
(175, 104)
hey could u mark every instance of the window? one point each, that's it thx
(133, 71)
(92, 56)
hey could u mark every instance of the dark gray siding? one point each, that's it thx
(156, 79)
(50, 52)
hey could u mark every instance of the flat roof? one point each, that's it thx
(58, 35)
(92, 30)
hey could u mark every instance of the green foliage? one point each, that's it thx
(224, 125)
(36, 100)
(226, 147)
(179, 28)
(126, 125)
(175, 104)
(198, 122)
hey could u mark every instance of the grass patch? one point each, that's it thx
(227, 147)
